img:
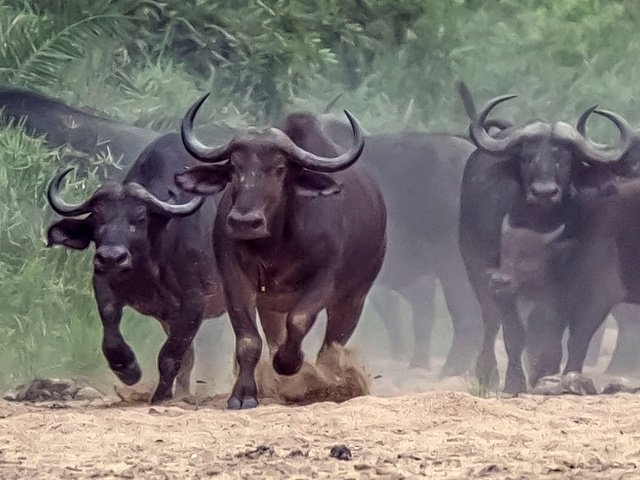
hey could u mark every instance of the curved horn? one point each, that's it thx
(482, 139)
(58, 204)
(162, 207)
(599, 154)
(330, 105)
(582, 121)
(467, 99)
(317, 163)
(194, 146)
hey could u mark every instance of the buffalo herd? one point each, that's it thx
(527, 228)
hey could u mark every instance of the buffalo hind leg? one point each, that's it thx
(183, 378)
(421, 296)
(626, 356)
(465, 318)
(342, 319)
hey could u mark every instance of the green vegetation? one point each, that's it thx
(146, 61)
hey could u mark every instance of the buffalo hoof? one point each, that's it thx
(419, 361)
(159, 397)
(287, 364)
(235, 403)
(131, 374)
(515, 386)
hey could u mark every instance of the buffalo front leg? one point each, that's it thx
(581, 329)
(545, 329)
(289, 358)
(118, 353)
(183, 377)
(486, 364)
(515, 337)
(241, 307)
(183, 329)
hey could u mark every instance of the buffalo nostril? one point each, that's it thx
(545, 190)
(109, 257)
(250, 220)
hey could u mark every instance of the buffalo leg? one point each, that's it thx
(626, 356)
(593, 352)
(289, 358)
(581, 329)
(544, 342)
(515, 336)
(487, 365)
(241, 307)
(174, 350)
(274, 327)
(421, 297)
(183, 378)
(387, 308)
(342, 319)
(118, 353)
(465, 317)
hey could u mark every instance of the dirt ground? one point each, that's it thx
(410, 425)
(433, 435)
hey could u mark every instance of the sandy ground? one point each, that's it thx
(411, 425)
(433, 435)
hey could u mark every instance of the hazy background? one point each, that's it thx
(145, 62)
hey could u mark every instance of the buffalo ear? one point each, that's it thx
(204, 179)
(71, 233)
(314, 184)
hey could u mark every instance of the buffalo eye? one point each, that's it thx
(280, 170)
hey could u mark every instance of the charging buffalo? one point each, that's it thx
(295, 233)
(153, 252)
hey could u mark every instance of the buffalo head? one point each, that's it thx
(118, 222)
(546, 153)
(524, 257)
(261, 170)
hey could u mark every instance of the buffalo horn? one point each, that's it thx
(194, 146)
(598, 153)
(482, 139)
(317, 163)
(59, 205)
(159, 206)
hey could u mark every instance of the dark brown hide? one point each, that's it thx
(152, 253)
(290, 242)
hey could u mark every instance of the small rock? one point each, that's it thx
(620, 384)
(341, 452)
(88, 393)
(578, 384)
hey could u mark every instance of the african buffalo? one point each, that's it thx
(419, 175)
(626, 356)
(534, 174)
(153, 252)
(295, 233)
(61, 124)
